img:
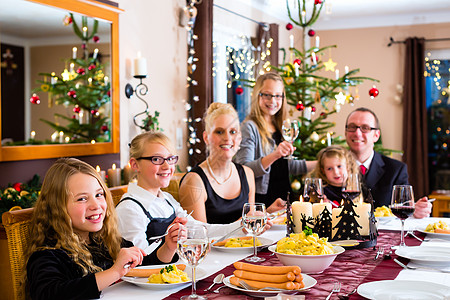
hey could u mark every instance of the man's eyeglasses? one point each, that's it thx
(364, 128)
(159, 160)
(269, 97)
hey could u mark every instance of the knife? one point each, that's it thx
(147, 250)
(229, 234)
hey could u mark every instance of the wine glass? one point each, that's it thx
(352, 186)
(192, 246)
(402, 205)
(254, 219)
(289, 131)
(313, 191)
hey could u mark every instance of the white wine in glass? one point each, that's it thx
(192, 247)
(402, 205)
(290, 131)
(254, 219)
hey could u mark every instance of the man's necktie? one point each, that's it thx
(363, 169)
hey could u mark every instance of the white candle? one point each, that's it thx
(317, 208)
(105, 80)
(307, 113)
(346, 69)
(72, 65)
(67, 139)
(335, 219)
(303, 16)
(314, 58)
(128, 173)
(101, 173)
(95, 53)
(317, 41)
(53, 79)
(61, 137)
(328, 139)
(363, 210)
(337, 74)
(74, 52)
(32, 135)
(296, 69)
(84, 31)
(140, 65)
(300, 210)
(291, 41)
(90, 81)
(54, 136)
(114, 178)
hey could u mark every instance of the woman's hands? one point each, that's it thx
(284, 149)
(422, 208)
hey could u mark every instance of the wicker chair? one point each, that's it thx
(17, 227)
(117, 192)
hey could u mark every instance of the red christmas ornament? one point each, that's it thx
(94, 112)
(317, 2)
(297, 61)
(76, 109)
(104, 128)
(72, 94)
(289, 26)
(108, 93)
(323, 115)
(91, 67)
(313, 109)
(81, 71)
(96, 39)
(67, 20)
(83, 46)
(373, 92)
(74, 117)
(300, 106)
(35, 99)
(17, 186)
(311, 32)
(239, 90)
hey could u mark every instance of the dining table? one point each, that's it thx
(352, 268)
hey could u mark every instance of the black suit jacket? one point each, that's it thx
(383, 174)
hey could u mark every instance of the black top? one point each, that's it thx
(52, 274)
(279, 184)
(220, 210)
(333, 193)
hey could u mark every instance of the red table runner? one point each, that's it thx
(351, 268)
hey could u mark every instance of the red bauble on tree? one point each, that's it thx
(313, 109)
(104, 128)
(96, 39)
(311, 32)
(81, 71)
(91, 67)
(300, 106)
(297, 61)
(76, 109)
(239, 90)
(35, 99)
(373, 92)
(323, 115)
(289, 26)
(94, 112)
(317, 2)
(72, 94)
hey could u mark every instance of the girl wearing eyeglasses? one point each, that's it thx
(262, 147)
(145, 211)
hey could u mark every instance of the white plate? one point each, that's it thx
(264, 243)
(307, 280)
(428, 255)
(142, 281)
(403, 289)
(443, 236)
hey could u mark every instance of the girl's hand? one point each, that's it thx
(128, 256)
(172, 235)
(422, 208)
(284, 149)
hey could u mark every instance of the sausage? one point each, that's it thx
(289, 285)
(438, 230)
(273, 270)
(148, 272)
(222, 243)
(299, 278)
(289, 276)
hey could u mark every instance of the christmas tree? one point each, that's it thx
(84, 87)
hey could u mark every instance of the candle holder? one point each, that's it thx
(140, 90)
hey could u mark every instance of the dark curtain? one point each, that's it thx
(415, 139)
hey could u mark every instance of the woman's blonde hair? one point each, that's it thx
(334, 151)
(137, 145)
(51, 226)
(257, 116)
(216, 109)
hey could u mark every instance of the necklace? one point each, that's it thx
(214, 176)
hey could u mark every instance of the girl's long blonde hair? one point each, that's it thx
(257, 116)
(51, 226)
(331, 152)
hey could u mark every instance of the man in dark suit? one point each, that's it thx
(380, 172)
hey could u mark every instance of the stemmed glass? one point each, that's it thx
(290, 131)
(192, 246)
(352, 186)
(313, 191)
(254, 219)
(402, 205)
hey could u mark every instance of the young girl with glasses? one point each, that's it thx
(146, 211)
(263, 148)
(75, 249)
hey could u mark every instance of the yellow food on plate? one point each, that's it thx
(438, 225)
(241, 242)
(383, 211)
(169, 274)
(304, 244)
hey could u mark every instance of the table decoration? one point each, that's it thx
(114, 176)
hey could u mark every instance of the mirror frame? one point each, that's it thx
(94, 10)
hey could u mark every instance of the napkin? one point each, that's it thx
(424, 275)
(286, 297)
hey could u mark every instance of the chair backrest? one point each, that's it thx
(17, 227)
(174, 186)
(117, 192)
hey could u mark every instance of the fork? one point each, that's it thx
(379, 252)
(336, 289)
(411, 233)
(420, 268)
(158, 237)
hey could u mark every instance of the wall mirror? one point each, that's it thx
(35, 41)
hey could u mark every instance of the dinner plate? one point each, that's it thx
(403, 289)
(142, 281)
(426, 255)
(307, 280)
(264, 243)
(444, 236)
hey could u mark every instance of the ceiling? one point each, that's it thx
(363, 13)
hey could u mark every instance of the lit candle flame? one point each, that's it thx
(113, 166)
(97, 168)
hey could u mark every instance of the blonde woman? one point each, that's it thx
(262, 147)
(75, 249)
